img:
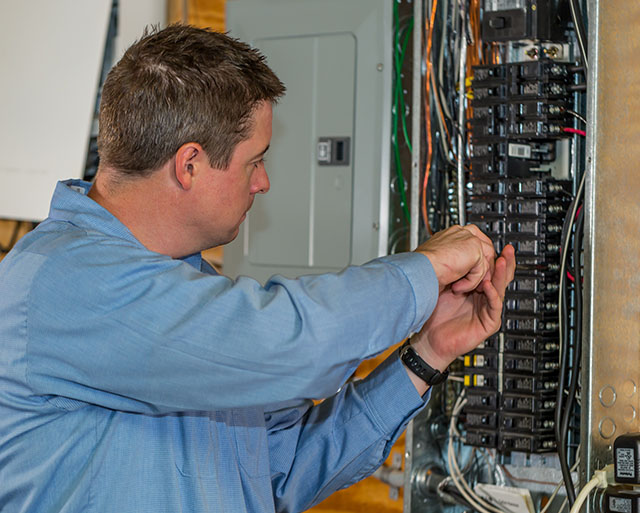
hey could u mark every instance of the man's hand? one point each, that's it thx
(461, 257)
(461, 320)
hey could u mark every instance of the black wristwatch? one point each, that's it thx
(421, 368)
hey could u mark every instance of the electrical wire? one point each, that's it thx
(457, 476)
(570, 130)
(577, 349)
(399, 110)
(563, 336)
(576, 115)
(427, 115)
(557, 489)
(584, 493)
(581, 33)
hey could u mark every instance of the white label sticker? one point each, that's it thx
(625, 463)
(503, 5)
(620, 505)
(520, 151)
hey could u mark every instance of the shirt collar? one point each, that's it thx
(70, 203)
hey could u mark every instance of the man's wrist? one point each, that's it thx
(438, 269)
(419, 367)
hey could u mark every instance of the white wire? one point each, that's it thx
(576, 115)
(557, 489)
(565, 502)
(553, 496)
(584, 493)
(583, 49)
(494, 469)
(456, 475)
(464, 488)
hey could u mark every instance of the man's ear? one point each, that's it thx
(189, 159)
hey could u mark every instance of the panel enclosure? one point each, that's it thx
(610, 371)
(323, 212)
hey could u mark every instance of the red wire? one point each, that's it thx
(575, 131)
(569, 275)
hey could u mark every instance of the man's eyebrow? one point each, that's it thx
(261, 153)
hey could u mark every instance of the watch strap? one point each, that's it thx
(419, 367)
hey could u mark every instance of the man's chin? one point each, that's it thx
(231, 237)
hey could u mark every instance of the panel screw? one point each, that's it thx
(380, 66)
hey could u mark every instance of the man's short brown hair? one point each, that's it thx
(177, 85)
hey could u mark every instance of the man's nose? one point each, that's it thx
(262, 184)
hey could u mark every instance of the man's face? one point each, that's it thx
(229, 193)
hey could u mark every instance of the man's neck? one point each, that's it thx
(148, 208)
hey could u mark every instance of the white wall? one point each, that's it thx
(134, 16)
(50, 59)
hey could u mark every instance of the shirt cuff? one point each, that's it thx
(423, 280)
(391, 396)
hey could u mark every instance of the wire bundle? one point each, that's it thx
(402, 33)
(567, 388)
(457, 476)
(448, 24)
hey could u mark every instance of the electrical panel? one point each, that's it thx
(519, 193)
(328, 161)
(516, 170)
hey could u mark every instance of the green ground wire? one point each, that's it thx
(398, 101)
(402, 105)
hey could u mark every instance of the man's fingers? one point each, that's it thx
(462, 256)
(494, 297)
(510, 254)
(501, 274)
(499, 278)
(487, 245)
(474, 277)
(504, 270)
(478, 233)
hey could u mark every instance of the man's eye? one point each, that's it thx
(258, 163)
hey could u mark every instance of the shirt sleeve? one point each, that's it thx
(316, 450)
(115, 325)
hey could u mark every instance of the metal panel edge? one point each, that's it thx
(612, 253)
(589, 241)
(416, 134)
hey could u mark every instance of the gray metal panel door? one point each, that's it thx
(335, 58)
(310, 204)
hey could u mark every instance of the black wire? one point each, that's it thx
(561, 439)
(577, 347)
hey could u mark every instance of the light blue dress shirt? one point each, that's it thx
(133, 382)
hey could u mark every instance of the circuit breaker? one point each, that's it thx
(519, 195)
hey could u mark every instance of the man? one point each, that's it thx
(134, 378)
